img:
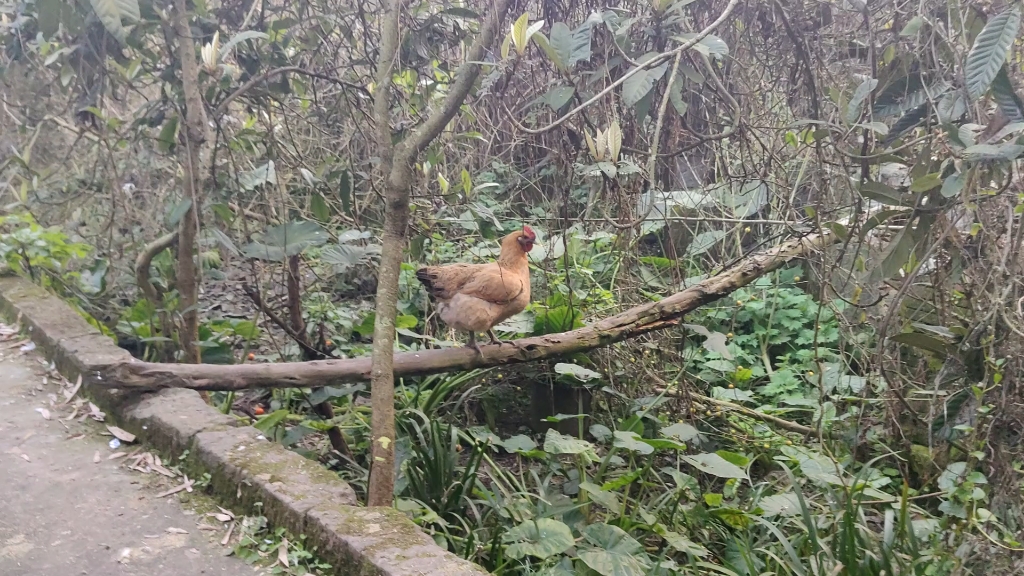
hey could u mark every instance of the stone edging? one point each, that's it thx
(246, 470)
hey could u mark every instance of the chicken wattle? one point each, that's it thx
(477, 297)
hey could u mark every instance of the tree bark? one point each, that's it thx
(397, 163)
(628, 324)
(380, 490)
(194, 137)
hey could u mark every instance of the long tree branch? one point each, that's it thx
(628, 324)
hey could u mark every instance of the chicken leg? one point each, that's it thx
(498, 341)
(472, 343)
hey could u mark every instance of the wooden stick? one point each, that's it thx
(625, 325)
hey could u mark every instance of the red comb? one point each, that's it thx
(527, 231)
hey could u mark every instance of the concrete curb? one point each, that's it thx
(246, 471)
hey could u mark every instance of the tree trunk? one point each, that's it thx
(397, 163)
(194, 137)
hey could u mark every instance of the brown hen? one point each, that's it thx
(477, 297)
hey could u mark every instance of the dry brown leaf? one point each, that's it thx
(122, 435)
(176, 531)
(25, 457)
(95, 413)
(187, 485)
(226, 511)
(207, 527)
(71, 393)
(96, 457)
(282, 552)
(227, 537)
(117, 455)
(44, 412)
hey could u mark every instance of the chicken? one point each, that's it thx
(477, 297)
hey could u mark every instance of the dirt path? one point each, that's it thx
(62, 513)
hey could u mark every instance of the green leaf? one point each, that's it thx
(1006, 97)
(608, 500)
(326, 393)
(715, 465)
(519, 443)
(115, 14)
(906, 122)
(953, 184)
(924, 342)
(578, 372)
(714, 341)
(631, 441)
(680, 431)
(179, 210)
(885, 194)
(541, 538)
(406, 321)
(168, 137)
(616, 552)
(253, 179)
(279, 242)
(682, 544)
(853, 109)
(780, 505)
(561, 41)
(711, 45)
(638, 85)
(270, 421)
(704, 241)
(993, 152)
(557, 443)
(913, 26)
(926, 182)
(557, 97)
(241, 37)
(989, 51)
(318, 205)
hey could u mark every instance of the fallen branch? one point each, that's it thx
(625, 325)
(767, 418)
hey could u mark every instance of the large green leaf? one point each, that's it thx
(711, 46)
(279, 242)
(241, 37)
(541, 538)
(616, 553)
(780, 505)
(115, 14)
(989, 51)
(993, 152)
(266, 174)
(715, 465)
(638, 85)
(557, 443)
(561, 41)
(1004, 95)
(576, 371)
(703, 242)
(680, 431)
(853, 109)
(609, 500)
(906, 122)
(631, 441)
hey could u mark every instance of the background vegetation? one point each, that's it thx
(206, 181)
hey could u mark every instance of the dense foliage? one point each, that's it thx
(858, 412)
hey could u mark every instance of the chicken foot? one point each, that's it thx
(494, 340)
(498, 341)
